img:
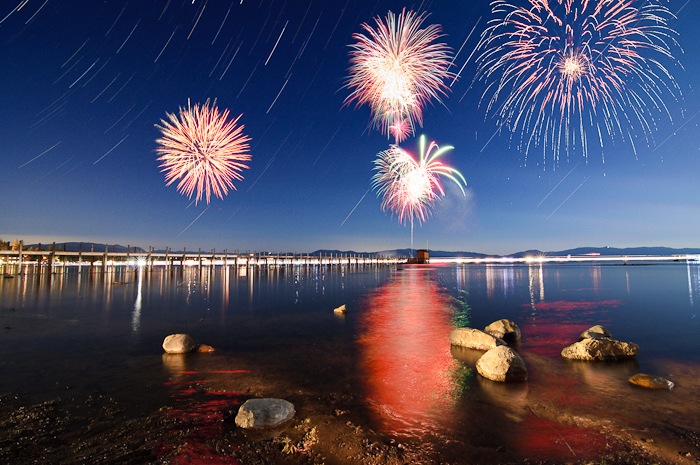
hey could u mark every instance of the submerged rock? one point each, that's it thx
(264, 413)
(595, 332)
(603, 349)
(205, 348)
(474, 339)
(502, 364)
(651, 382)
(179, 344)
(504, 329)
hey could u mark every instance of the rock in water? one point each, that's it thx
(205, 348)
(342, 310)
(504, 329)
(264, 413)
(600, 350)
(474, 339)
(651, 382)
(502, 364)
(595, 332)
(179, 344)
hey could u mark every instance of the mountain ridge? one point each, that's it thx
(577, 251)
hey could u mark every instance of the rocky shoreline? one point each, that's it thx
(197, 425)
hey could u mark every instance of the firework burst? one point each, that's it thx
(203, 150)
(563, 74)
(410, 187)
(396, 69)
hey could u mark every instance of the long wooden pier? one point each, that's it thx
(12, 261)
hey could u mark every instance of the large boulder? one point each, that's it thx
(603, 349)
(651, 382)
(504, 329)
(264, 413)
(595, 332)
(502, 364)
(474, 339)
(179, 344)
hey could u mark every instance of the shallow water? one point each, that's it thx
(89, 333)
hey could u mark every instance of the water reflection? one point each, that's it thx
(136, 315)
(693, 282)
(535, 282)
(410, 374)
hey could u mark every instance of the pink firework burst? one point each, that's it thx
(396, 68)
(400, 129)
(203, 150)
(573, 74)
(410, 187)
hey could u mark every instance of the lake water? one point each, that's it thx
(88, 333)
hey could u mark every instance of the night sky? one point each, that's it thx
(84, 82)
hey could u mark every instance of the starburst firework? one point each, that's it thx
(565, 73)
(202, 149)
(410, 187)
(396, 69)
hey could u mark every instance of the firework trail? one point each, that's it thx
(396, 69)
(203, 150)
(565, 74)
(410, 187)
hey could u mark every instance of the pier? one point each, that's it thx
(17, 261)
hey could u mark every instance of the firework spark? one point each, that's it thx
(396, 69)
(202, 149)
(562, 74)
(410, 187)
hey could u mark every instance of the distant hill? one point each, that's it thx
(84, 247)
(604, 251)
(607, 251)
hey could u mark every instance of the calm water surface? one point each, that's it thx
(90, 333)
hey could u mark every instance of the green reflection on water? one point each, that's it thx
(462, 311)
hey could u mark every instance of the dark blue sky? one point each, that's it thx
(84, 82)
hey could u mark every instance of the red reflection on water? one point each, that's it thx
(544, 438)
(405, 353)
(554, 325)
(548, 338)
(228, 372)
(196, 429)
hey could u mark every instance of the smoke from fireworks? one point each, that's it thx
(410, 187)
(396, 69)
(202, 149)
(561, 74)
